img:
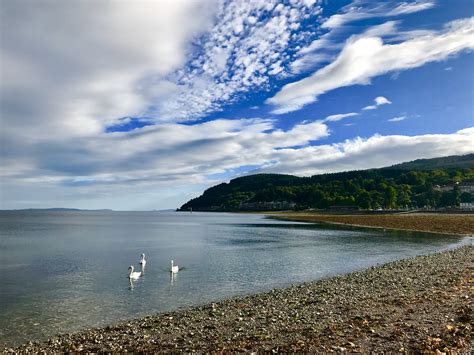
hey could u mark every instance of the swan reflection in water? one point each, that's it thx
(173, 278)
(130, 284)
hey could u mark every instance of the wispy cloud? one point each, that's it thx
(398, 119)
(356, 12)
(340, 116)
(370, 107)
(363, 58)
(324, 49)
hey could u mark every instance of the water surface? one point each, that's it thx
(64, 271)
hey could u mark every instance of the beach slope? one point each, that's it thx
(419, 304)
(462, 224)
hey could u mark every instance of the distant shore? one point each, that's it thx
(413, 305)
(460, 224)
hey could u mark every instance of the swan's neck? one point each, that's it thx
(131, 271)
(171, 263)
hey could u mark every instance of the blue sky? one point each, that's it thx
(138, 105)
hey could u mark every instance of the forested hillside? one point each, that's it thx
(453, 161)
(389, 188)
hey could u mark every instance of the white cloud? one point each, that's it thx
(398, 119)
(317, 52)
(374, 152)
(87, 172)
(356, 12)
(340, 116)
(370, 107)
(409, 8)
(160, 60)
(155, 153)
(323, 50)
(379, 100)
(386, 28)
(73, 68)
(249, 44)
(363, 58)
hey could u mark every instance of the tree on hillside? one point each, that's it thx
(364, 200)
(390, 197)
(404, 196)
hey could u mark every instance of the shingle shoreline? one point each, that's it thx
(418, 304)
(460, 224)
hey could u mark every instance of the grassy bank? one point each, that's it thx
(419, 304)
(436, 223)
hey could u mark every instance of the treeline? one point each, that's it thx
(453, 161)
(387, 188)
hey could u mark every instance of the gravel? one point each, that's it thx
(413, 305)
(436, 223)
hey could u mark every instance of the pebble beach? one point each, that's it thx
(419, 304)
(462, 224)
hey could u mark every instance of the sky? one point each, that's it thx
(142, 105)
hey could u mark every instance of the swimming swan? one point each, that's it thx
(142, 260)
(174, 268)
(143, 263)
(134, 275)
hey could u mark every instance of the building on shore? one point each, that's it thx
(267, 206)
(464, 186)
(467, 206)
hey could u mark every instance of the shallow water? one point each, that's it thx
(64, 271)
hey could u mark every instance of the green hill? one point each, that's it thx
(413, 184)
(453, 161)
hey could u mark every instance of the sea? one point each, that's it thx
(63, 271)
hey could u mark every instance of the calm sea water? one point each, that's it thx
(64, 271)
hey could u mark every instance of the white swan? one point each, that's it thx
(143, 262)
(174, 268)
(134, 275)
